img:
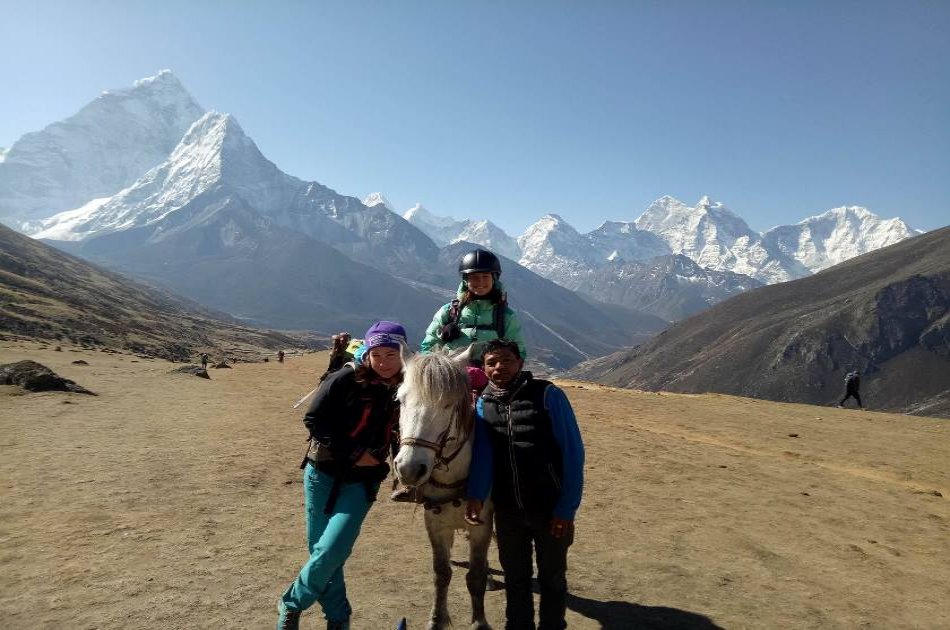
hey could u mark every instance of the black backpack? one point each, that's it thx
(452, 331)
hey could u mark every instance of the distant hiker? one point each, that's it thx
(480, 311)
(529, 457)
(351, 421)
(280, 356)
(852, 383)
(204, 360)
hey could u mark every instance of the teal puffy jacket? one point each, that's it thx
(476, 322)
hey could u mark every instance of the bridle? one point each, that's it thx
(438, 447)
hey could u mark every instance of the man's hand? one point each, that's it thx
(473, 511)
(561, 527)
(367, 460)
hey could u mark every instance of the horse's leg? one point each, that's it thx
(477, 576)
(493, 584)
(441, 536)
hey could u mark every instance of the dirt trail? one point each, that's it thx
(169, 501)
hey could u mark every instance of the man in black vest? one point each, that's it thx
(529, 456)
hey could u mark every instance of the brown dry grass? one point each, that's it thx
(173, 502)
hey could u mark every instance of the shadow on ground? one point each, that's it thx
(616, 615)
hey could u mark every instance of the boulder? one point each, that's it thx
(194, 370)
(34, 377)
(222, 364)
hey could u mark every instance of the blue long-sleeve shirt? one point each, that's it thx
(568, 437)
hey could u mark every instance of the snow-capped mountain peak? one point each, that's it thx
(546, 225)
(490, 236)
(552, 248)
(836, 235)
(164, 76)
(378, 199)
(716, 238)
(551, 228)
(104, 147)
(418, 213)
(214, 150)
(447, 230)
(663, 213)
(442, 230)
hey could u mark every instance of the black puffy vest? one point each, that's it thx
(527, 459)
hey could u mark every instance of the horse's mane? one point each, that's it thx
(438, 380)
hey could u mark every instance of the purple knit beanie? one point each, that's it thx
(385, 334)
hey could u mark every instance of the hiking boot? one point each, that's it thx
(406, 494)
(338, 625)
(287, 619)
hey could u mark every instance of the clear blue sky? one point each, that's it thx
(508, 110)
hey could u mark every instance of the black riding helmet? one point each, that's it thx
(479, 261)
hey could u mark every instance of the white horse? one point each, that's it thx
(435, 424)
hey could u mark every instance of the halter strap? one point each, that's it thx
(411, 441)
(439, 446)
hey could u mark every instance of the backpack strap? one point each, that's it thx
(455, 313)
(500, 309)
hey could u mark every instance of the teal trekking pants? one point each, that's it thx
(330, 540)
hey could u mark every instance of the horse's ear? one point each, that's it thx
(464, 357)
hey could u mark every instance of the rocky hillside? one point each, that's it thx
(886, 314)
(48, 294)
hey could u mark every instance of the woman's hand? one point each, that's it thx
(367, 460)
(473, 511)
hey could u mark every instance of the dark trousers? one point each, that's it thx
(519, 535)
(849, 394)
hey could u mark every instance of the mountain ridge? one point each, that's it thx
(885, 313)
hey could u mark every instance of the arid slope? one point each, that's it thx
(49, 294)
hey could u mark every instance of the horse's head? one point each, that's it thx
(434, 398)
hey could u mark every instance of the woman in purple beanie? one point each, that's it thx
(352, 421)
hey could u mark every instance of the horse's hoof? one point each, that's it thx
(477, 625)
(445, 624)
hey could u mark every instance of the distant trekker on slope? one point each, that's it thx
(852, 383)
(480, 311)
(204, 360)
